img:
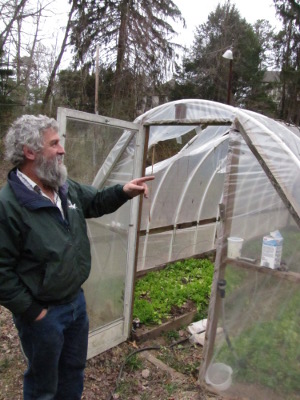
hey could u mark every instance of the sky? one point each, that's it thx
(195, 12)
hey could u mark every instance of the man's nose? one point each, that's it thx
(61, 149)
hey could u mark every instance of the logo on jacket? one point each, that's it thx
(70, 205)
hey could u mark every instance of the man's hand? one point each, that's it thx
(138, 186)
(42, 314)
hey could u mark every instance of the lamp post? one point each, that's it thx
(97, 81)
(229, 56)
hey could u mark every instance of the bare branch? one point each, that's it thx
(58, 60)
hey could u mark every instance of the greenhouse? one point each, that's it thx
(226, 180)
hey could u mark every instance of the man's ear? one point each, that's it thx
(29, 153)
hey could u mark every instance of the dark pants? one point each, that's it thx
(56, 349)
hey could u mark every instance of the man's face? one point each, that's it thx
(52, 147)
(49, 165)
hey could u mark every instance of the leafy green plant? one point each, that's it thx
(159, 291)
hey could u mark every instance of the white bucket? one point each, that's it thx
(234, 247)
(218, 375)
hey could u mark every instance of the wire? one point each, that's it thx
(139, 351)
(124, 363)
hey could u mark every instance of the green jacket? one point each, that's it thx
(44, 259)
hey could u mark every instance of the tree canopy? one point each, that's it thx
(288, 59)
(207, 72)
(136, 43)
(135, 39)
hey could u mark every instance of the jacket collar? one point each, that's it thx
(29, 198)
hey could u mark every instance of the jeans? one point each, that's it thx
(56, 349)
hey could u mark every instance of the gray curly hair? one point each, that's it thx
(27, 130)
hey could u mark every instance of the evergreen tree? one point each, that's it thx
(134, 38)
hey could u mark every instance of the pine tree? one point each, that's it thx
(135, 40)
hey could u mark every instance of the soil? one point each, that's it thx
(168, 372)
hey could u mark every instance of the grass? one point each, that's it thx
(177, 357)
(160, 291)
(134, 363)
(269, 352)
(171, 388)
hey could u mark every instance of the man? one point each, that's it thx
(45, 255)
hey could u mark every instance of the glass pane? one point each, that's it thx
(104, 290)
(87, 145)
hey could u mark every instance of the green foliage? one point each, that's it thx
(158, 292)
(171, 387)
(133, 363)
(9, 106)
(270, 351)
(287, 56)
(205, 73)
(145, 312)
(172, 335)
(77, 91)
(135, 42)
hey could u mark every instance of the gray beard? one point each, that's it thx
(50, 172)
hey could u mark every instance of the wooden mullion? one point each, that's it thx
(226, 212)
(286, 275)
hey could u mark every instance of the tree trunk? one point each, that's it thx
(285, 67)
(122, 40)
(58, 60)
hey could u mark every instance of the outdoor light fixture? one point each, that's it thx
(229, 56)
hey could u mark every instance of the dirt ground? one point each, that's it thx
(169, 373)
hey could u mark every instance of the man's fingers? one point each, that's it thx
(145, 179)
(138, 186)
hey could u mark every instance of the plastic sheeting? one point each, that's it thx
(255, 308)
(182, 215)
(238, 176)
